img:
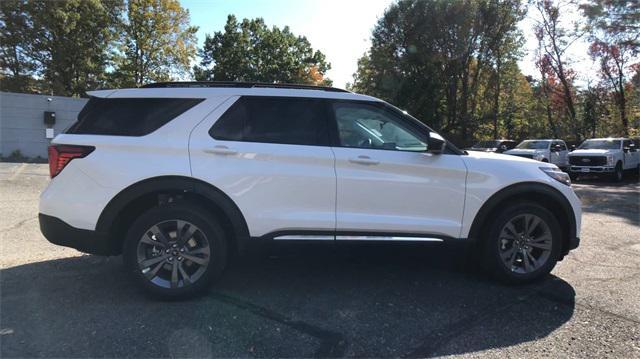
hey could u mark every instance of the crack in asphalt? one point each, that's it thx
(332, 344)
(18, 225)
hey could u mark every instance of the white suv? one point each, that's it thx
(179, 177)
(551, 151)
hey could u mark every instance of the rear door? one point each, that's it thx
(388, 186)
(270, 156)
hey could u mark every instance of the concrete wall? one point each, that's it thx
(22, 121)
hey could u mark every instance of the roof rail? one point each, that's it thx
(187, 84)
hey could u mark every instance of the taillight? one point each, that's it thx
(61, 155)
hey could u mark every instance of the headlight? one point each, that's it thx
(538, 156)
(557, 174)
(609, 160)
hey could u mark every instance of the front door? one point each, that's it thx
(387, 183)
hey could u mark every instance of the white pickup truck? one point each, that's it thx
(611, 156)
(546, 150)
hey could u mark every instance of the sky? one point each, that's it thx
(341, 29)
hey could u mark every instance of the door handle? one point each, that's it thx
(364, 160)
(221, 150)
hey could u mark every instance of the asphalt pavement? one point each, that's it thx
(322, 300)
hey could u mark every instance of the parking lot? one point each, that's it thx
(324, 301)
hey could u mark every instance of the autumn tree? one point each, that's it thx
(158, 43)
(250, 51)
(614, 27)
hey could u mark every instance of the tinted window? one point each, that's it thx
(296, 121)
(366, 126)
(128, 116)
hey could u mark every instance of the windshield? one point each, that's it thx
(486, 144)
(534, 145)
(600, 145)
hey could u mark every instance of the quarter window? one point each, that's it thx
(367, 126)
(296, 121)
(128, 116)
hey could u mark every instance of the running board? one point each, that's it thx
(313, 237)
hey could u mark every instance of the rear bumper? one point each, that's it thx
(59, 232)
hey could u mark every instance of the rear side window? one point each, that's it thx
(128, 116)
(284, 120)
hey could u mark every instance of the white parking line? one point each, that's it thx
(18, 172)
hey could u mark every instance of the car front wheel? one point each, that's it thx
(175, 250)
(523, 244)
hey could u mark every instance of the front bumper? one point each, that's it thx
(591, 169)
(59, 232)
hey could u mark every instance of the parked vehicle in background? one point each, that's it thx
(497, 146)
(610, 156)
(181, 177)
(544, 150)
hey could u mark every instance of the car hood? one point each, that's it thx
(590, 152)
(501, 157)
(523, 151)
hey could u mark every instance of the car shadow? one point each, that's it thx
(296, 301)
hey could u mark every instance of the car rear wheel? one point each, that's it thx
(523, 244)
(175, 250)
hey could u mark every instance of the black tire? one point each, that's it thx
(618, 173)
(208, 233)
(491, 253)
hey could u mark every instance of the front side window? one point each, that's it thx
(296, 121)
(367, 126)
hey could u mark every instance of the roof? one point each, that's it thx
(239, 84)
(220, 89)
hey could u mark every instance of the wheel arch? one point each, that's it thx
(539, 193)
(127, 205)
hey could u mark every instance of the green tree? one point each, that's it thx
(59, 41)
(250, 51)
(158, 43)
(16, 66)
(442, 60)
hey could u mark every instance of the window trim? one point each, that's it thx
(324, 105)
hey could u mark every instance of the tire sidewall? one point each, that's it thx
(618, 174)
(191, 213)
(492, 254)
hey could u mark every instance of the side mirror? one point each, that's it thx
(435, 143)
(626, 149)
(503, 148)
(572, 148)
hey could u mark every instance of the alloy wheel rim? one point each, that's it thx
(525, 243)
(173, 254)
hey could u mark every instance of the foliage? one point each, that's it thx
(445, 61)
(615, 36)
(58, 41)
(250, 51)
(157, 43)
